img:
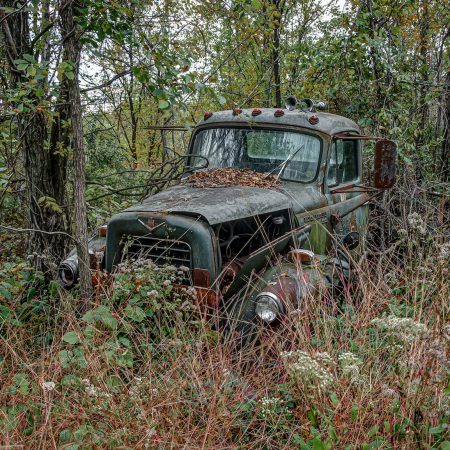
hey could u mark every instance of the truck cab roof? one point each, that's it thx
(327, 123)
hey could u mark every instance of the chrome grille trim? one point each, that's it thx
(160, 251)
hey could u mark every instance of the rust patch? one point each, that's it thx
(228, 274)
(285, 287)
(201, 277)
(206, 299)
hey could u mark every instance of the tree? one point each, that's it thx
(70, 34)
(445, 155)
(39, 130)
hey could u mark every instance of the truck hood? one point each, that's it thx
(216, 205)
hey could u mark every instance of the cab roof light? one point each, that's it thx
(279, 113)
(237, 111)
(256, 112)
(313, 120)
(207, 115)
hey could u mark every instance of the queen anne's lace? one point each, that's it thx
(416, 223)
(350, 365)
(310, 370)
(402, 329)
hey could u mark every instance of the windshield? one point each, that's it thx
(295, 156)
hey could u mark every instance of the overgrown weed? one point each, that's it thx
(144, 369)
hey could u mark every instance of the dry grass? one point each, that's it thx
(373, 376)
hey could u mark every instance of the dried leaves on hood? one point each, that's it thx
(211, 178)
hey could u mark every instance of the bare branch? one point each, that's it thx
(106, 83)
(41, 33)
(32, 230)
(9, 37)
(5, 16)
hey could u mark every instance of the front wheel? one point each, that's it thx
(242, 322)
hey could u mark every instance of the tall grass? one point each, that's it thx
(140, 371)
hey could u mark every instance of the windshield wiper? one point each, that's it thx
(283, 165)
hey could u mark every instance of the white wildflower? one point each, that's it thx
(325, 358)
(402, 329)
(349, 359)
(444, 405)
(138, 389)
(89, 388)
(150, 435)
(167, 283)
(269, 406)
(391, 278)
(134, 391)
(48, 386)
(191, 291)
(416, 223)
(186, 306)
(153, 293)
(447, 333)
(308, 370)
(388, 392)
(444, 253)
(437, 348)
(350, 365)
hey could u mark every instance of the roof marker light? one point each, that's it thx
(256, 112)
(207, 115)
(237, 111)
(279, 113)
(313, 120)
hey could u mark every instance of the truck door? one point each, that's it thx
(348, 210)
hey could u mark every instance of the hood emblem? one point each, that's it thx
(151, 224)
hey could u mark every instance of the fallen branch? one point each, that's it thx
(33, 230)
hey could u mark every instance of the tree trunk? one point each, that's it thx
(424, 78)
(276, 66)
(45, 169)
(46, 178)
(276, 54)
(375, 61)
(445, 155)
(72, 51)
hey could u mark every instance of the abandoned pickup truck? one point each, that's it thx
(255, 248)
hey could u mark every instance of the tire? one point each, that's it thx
(242, 322)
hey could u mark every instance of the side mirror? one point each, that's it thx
(385, 161)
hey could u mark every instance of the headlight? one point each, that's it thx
(68, 272)
(268, 306)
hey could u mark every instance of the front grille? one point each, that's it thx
(160, 251)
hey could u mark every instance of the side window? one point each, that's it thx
(343, 166)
